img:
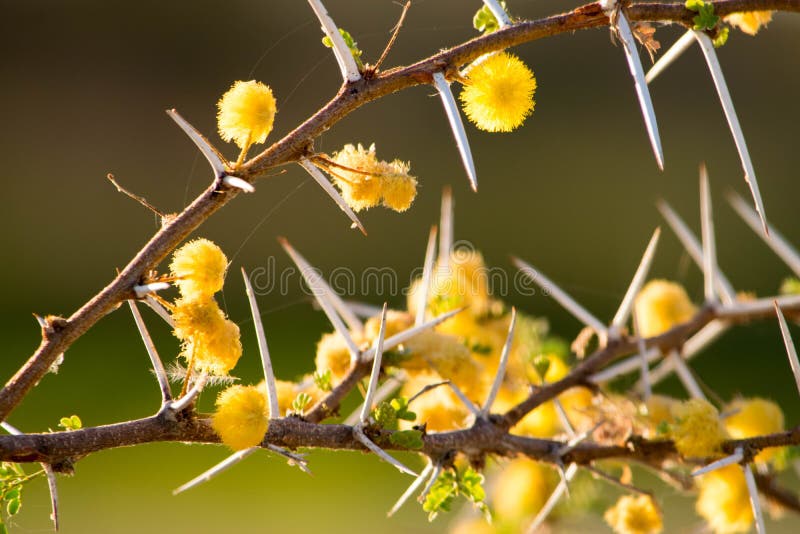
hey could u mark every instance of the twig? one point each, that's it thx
(392, 39)
(141, 200)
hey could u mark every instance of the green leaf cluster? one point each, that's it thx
(485, 21)
(72, 422)
(705, 18)
(790, 286)
(12, 477)
(323, 379)
(351, 44)
(388, 413)
(450, 484)
(301, 402)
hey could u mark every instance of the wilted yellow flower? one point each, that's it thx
(754, 417)
(521, 489)
(209, 339)
(242, 417)
(373, 181)
(498, 93)
(661, 305)
(749, 21)
(634, 515)
(199, 268)
(724, 501)
(697, 430)
(246, 113)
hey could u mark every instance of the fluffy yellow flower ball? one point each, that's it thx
(439, 409)
(634, 515)
(498, 93)
(661, 305)
(754, 417)
(246, 113)
(697, 430)
(199, 268)
(334, 355)
(209, 339)
(521, 489)
(242, 416)
(750, 21)
(723, 500)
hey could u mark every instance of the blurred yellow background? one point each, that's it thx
(84, 87)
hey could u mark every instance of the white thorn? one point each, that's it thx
(384, 392)
(552, 501)
(446, 229)
(178, 405)
(635, 66)
(263, 349)
(644, 366)
(686, 376)
(734, 458)
(228, 462)
(423, 476)
(214, 158)
(499, 13)
(323, 182)
(437, 470)
(314, 281)
(791, 351)
(294, 459)
(366, 408)
(707, 234)
(759, 306)
(576, 440)
(155, 360)
(454, 118)
(238, 183)
(145, 289)
(667, 58)
(691, 348)
(624, 311)
(563, 417)
(625, 366)
(14, 431)
(41, 320)
(752, 489)
(344, 57)
(425, 282)
(561, 296)
(53, 489)
(407, 334)
(501, 369)
(692, 246)
(774, 240)
(362, 309)
(733, 121)
(159, 309)
(358, 432)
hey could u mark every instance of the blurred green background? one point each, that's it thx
(84, 86)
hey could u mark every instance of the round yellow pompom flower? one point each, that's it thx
(697, 431)
(241, 418)
(754, 417)
(661, 305)
(498, 93)
(724, 501)
(634, 515)
(522, 489)
(246, 113)
(210, 340)
(199, 268)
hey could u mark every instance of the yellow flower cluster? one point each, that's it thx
(750, 21)
(498, 92)
(199, 269)
(365, 181)
(661, 305)
(723, 500)
(522, 489)
(634, 515)
(242, 417)
(246, 113)
(697, 430)
(754, 417)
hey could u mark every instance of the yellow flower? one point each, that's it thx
(659, 411)
(634, 515)
(697, 430)
(396, 322)
(521, 489)
(498, 93)
(724, 501)
(661, 305)
(439, 409)
(449, 358)
(749, 21)
(372, 181)
(334, 355)
(209, 339)
(246, 113)
(199, 268)
(754, 417)
(241, 418)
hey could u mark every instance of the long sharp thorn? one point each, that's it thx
(238, 183)
(791, 351)
(423, 476)
(707, 233)
(263, 349)
(752, 489)
(759, 306)
(214, 158)
(358, 432)
(14, 431)
(53, 489)
(323, 182)
(499, 13)
(563, 417)
(685, 374)
(645, 102)
(734, 458)
(552, 501)
(733, 121)
(158, 367)
(405, 335)
(427, 275)
(691, 348)
(570, 304)
(193, 392)
(344, 57)
(624, 311)
(159, 309)
(312, 278)
(454, 118)
(501, 369)
(437, 470)
(228, 462)
(692, 246)
(142, 291)
(376, 369)
(667, 58)
(446, 229)
(774, 240)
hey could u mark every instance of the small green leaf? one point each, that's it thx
(400, 405)
(663, 428)
(409, 439)
(351, 44)
(722, 37)
(441, 495)
(480, 348)
(541, 364)
(72, 422)
(470, 484)
(705, 18)
(790, 286)
(301, 402)
(385, 416)
(12, 494)
(13, 506)
(485, 21)
(323, 379)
